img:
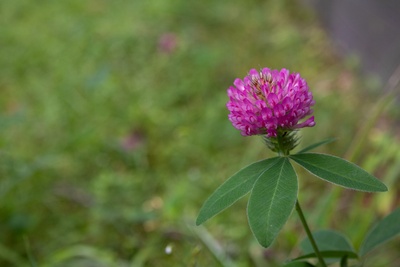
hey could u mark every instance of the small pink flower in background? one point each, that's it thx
(270, 101)
(167, 43)
(133, 141)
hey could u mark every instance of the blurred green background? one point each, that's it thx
(114, 131)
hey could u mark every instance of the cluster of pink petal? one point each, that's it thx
(268, 101)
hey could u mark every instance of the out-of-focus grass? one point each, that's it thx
(109, 144)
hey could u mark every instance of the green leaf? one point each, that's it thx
(331, 254)
(298, 264)
(315, 145)
(327, 240)
(233, 189)
(331, 244)
(385, 230)
(272, 200)
(339, 171)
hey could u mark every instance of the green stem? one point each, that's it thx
(310, 237)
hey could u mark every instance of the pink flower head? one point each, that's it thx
(270, 101)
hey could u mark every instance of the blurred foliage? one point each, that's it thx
(114, 130)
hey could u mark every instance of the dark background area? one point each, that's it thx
(368, 31)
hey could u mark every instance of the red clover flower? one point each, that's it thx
(276, 104)
(271, 103)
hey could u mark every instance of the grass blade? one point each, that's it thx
(315, 145)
